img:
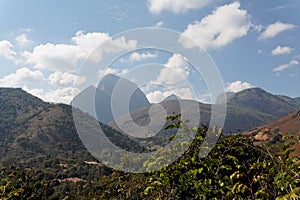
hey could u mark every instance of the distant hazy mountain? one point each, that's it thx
(111, 89)
(246, 109)
(293, 101)
(141, 117)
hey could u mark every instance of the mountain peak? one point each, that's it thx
(257, 99)
(172, 97)
(253, 90)
(98, 101)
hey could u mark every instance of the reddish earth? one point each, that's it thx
(289, 124)
(273, 132)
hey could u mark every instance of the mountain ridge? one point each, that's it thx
(246, 109)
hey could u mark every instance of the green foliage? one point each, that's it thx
(20, 184)
(234, 169)
(48, 150)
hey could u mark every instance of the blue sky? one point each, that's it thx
(253, 43)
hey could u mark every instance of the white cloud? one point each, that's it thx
(176, 6)
(54, 57)
(175, 71)
(281, 68)
(90, 41)
(118, 72)
(22, 77)
(274, 29)
(285, 66)
(65, 57)
(238, 86)
(294, 62)
(157, 95)
(6, 50)
(65, 79)
(171, 79)
(282, 50)
(159, 24)
(23, 40)
(226, 24)
(135, 56)
(64, 95)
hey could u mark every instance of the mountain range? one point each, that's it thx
(32, 129)
(246, 109)
(41, 139)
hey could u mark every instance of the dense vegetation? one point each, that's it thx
(234, 169)
(42, 157)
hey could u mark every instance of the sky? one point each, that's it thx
(44, 45)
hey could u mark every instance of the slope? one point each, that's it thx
(35, 131)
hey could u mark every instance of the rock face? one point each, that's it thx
(111, 98)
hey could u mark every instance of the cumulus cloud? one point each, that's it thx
(226, 24)
(54, 57)
(118, 72)
(285, 66)
(65, 79)
(22, 40)
(6, 50)
(171, 79)
(22, 77)
(282, 50)
(65, 57)
(135, 56)
(90, 41)
(157, 95)
(274, 29)
(175, 71)
(64, 95)
(176, 6)
(238, 86)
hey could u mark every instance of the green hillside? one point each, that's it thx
(42, 157)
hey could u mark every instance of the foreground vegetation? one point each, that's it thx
(234, 169)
